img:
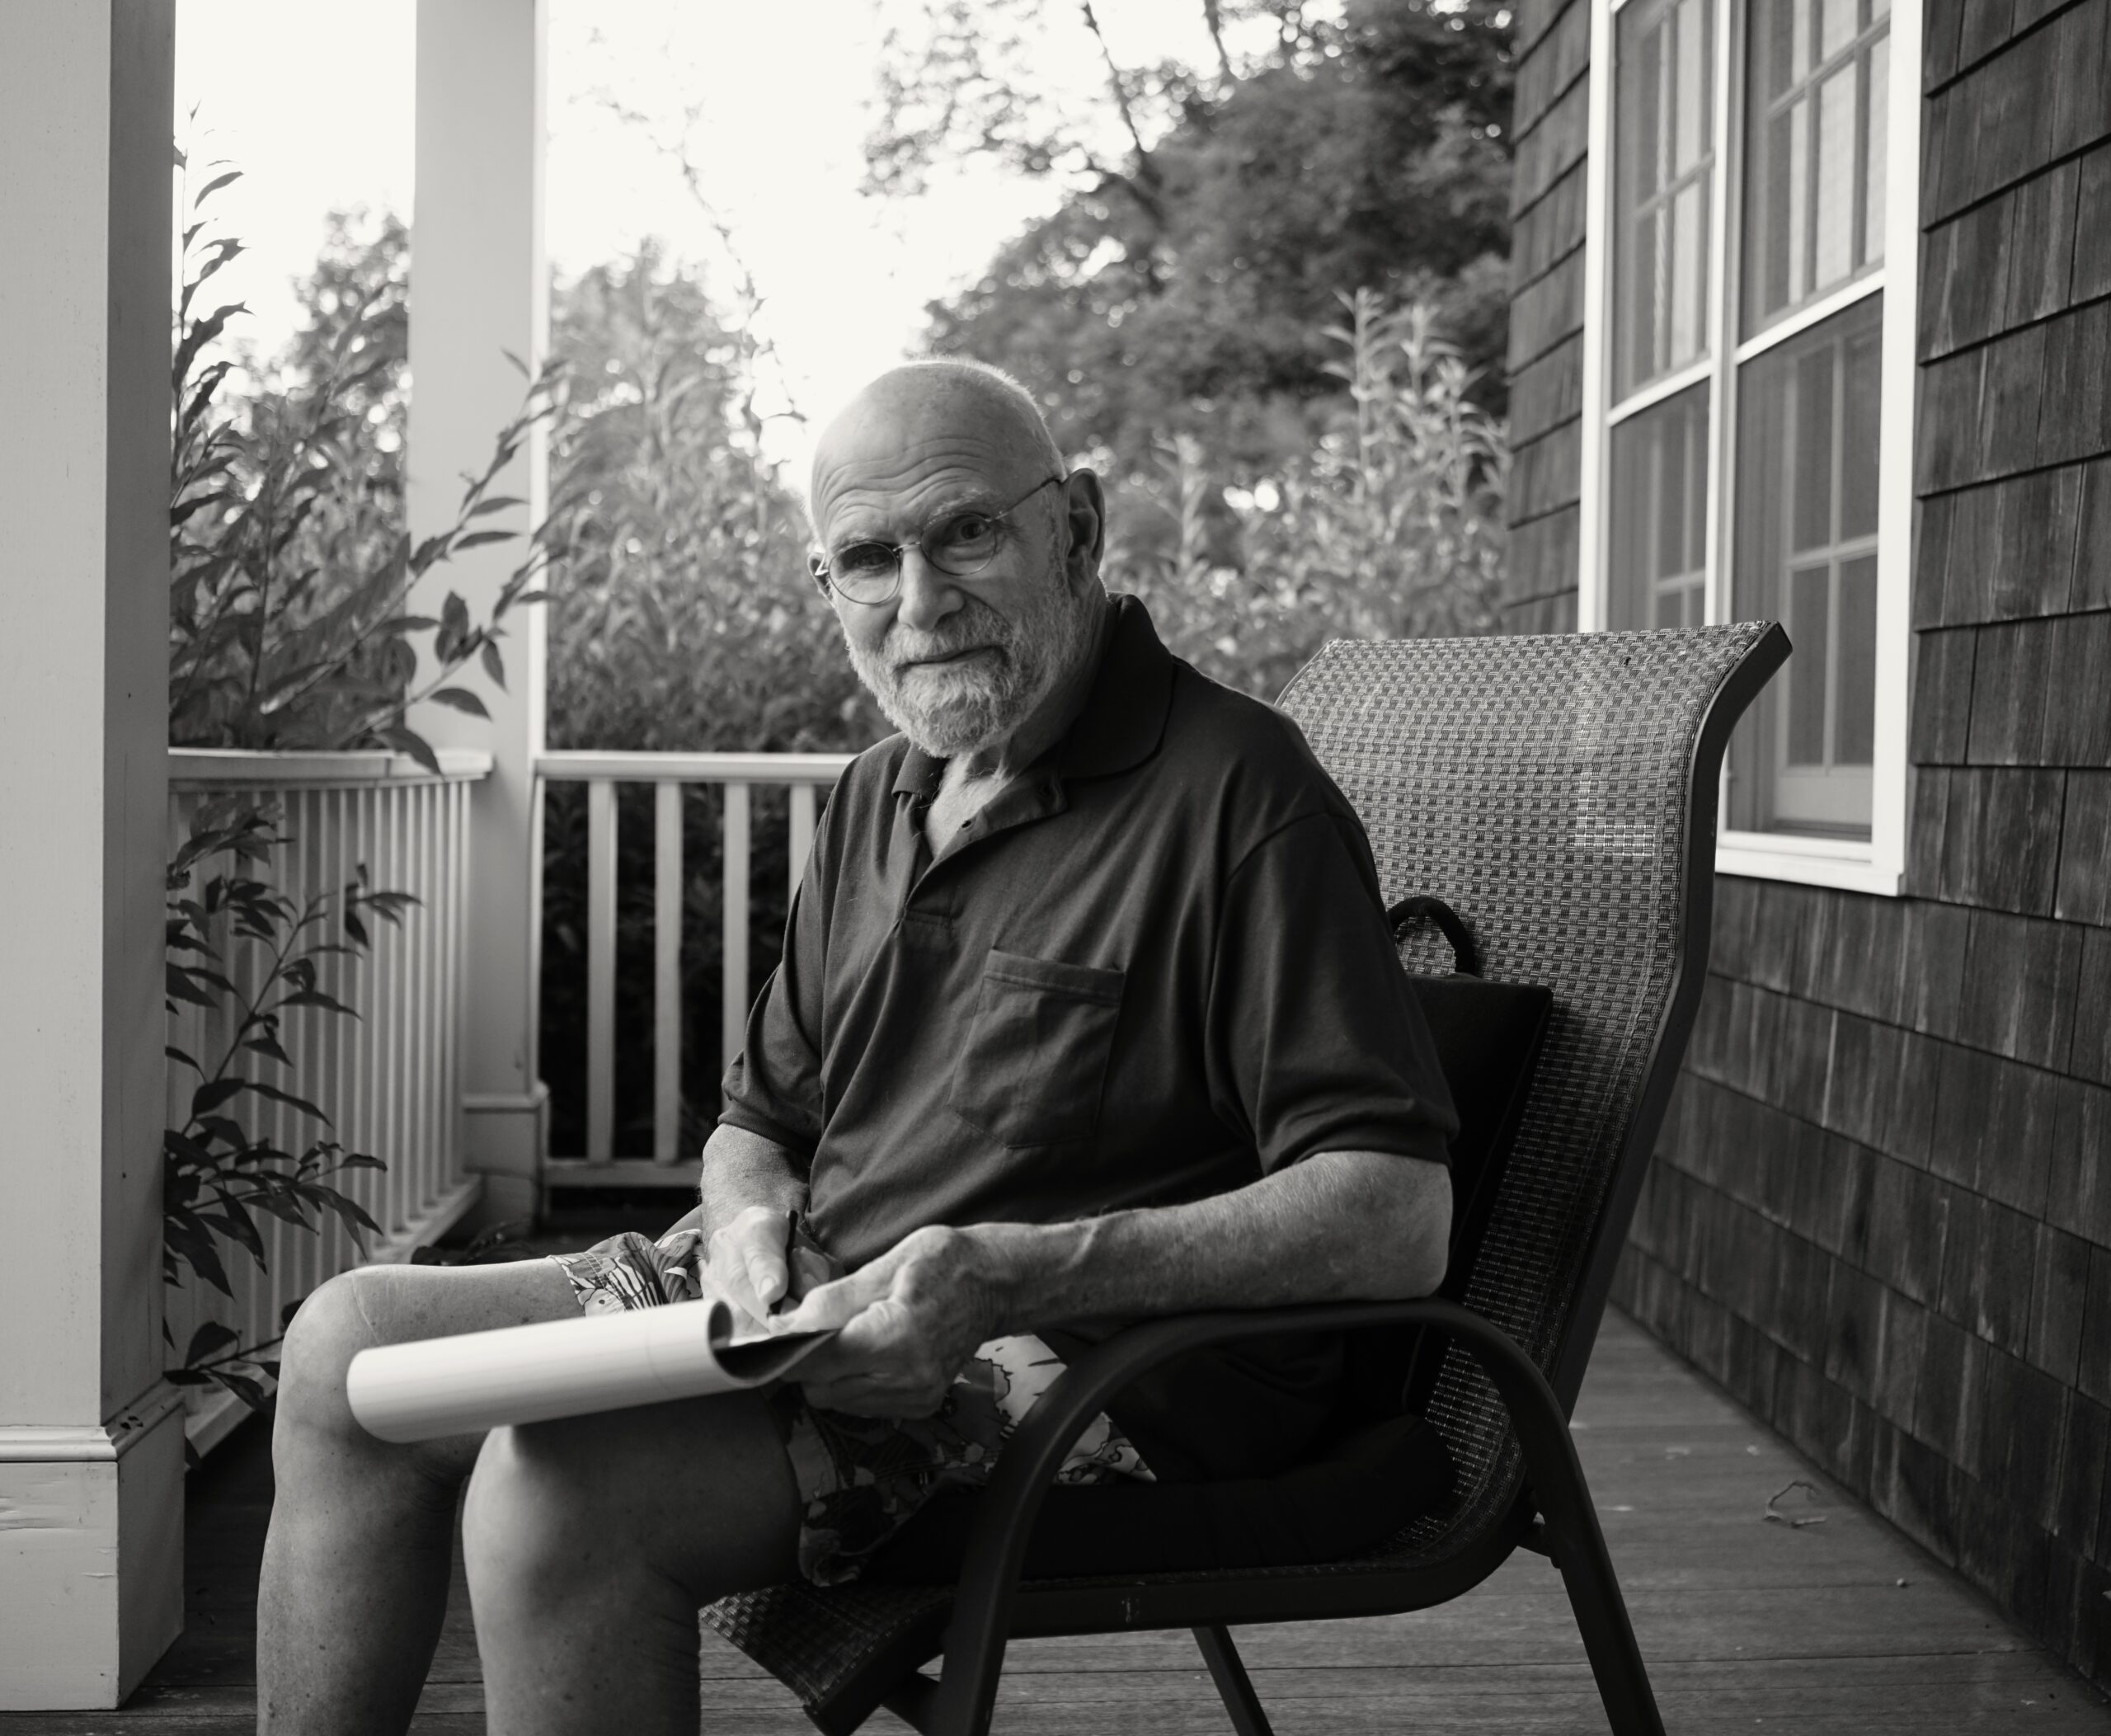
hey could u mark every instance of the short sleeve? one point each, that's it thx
(773, 1086)
(1315, 1040)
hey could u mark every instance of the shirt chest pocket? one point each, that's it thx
(1035, 1062)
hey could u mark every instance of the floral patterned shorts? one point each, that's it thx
(862, 1478)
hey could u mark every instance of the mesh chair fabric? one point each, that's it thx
(1541, 786)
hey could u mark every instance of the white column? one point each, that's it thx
(479, 289)
(90, 1438)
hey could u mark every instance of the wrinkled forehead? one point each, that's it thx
(893, 457)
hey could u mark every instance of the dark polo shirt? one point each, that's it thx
(1153, 968)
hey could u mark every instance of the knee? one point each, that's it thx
(334, 1324)
(540, 1512)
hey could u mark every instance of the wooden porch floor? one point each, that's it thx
(1837, 1626)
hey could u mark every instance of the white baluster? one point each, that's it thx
(666, 971)
(600, 970)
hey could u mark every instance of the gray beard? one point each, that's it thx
(960, 707)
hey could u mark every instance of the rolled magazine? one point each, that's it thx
(477, 1381)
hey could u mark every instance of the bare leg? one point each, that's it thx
(356, 1565)
(591, 1544)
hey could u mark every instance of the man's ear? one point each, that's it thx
(1085, 506)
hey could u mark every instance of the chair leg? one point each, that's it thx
(1578, 1548)
(1572, 1537)
(1233, 1683)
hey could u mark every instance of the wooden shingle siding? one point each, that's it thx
(1550, 65)
(2046, 94)
(1544, 475)
(1542, 558)
(1546, 314)
(1553, 147)
(1547, 394)
(1547, 233)
(2084, 893)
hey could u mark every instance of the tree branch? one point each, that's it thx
(1147, 170)
(1213, 18)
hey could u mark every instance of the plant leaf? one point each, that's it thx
(209, 1338)
(214, 1092)
(460, 698)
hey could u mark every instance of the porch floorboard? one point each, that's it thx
(1744, 1622)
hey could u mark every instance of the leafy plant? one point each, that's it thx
(217, 1175)
(291, 626)
(291, 575)
(1391, 527)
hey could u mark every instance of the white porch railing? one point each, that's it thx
(737, 775)
(390, 1079)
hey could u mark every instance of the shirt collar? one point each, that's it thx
(1123, 720)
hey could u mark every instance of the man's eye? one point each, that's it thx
(966, 532)
(862, 560)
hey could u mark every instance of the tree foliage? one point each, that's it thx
(1391, 527)
(684, 618)
(1213, 213)
(291, 570)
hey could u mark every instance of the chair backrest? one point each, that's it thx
(1559, 792)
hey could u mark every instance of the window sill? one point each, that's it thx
(1848, 866)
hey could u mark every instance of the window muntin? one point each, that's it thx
(1665, 169)
(1806, 555)
(1659, 571)
(1817, 100)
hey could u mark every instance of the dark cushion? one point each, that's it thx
(1488, 1036)
(1372, 1481)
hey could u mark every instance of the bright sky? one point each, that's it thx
(314, 104)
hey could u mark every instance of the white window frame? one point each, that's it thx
(1877, 865)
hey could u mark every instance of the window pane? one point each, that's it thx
(1860, 395)
(1659, 507)
(1810, 461)
(1834, 255)
(1837, 26)
(1879, 106)
(1808, 618)
(1854, 730)
(1806, 555)
(1665, 157)
(1815, 176)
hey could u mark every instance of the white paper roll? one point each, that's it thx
(477, 1381)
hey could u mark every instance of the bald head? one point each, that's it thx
(921, 405)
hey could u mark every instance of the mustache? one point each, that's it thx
(976, 627)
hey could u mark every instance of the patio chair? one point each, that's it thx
(1559, 792)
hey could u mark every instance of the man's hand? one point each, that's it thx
(910, 1321)
(757, 1260)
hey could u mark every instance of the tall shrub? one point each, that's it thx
(1391, 527)
(683, 620)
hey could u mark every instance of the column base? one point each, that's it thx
(91, 1556)
(505, 1138)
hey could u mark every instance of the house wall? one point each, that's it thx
(1548, 122)
(1880, 1212)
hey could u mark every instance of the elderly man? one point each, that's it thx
(1086, 1012)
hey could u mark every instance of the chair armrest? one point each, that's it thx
(997, 1545)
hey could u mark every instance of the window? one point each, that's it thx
(1667, 158)
(1806, 556)
(1743, 351)
(1815, 186)
(1660, 514)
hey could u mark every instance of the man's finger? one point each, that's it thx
(835, 1305)
(767, 1276)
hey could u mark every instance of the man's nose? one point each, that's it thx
(927, 595)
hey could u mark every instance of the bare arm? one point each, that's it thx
(1339, 1224)
(752, 1191)
(742, 1170)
